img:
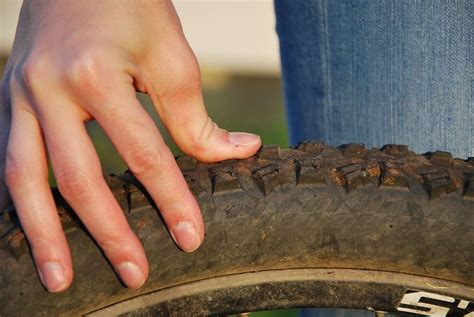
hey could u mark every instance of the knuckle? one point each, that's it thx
(15, 171)
(186, 77)
(198, 148)
(172, 205)
(73, 183)
(143, 159)
(86, 68)
(113, 242)
(108, 242)
(33, 71)
(199, 143)
(39, 240)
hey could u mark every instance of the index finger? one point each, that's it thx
(139, 142)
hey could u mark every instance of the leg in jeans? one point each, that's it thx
(379, 72)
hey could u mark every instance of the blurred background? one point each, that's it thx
(237, 48)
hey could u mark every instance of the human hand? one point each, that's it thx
(74, 61)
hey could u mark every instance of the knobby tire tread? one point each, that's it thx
(312, 206)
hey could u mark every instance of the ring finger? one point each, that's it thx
(79, 177)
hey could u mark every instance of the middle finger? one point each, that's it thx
(139, 142)
(79, 176)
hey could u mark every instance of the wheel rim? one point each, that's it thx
(330, 288)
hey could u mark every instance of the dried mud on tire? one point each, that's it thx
(313, 207)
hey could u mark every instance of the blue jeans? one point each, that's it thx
(379, 72)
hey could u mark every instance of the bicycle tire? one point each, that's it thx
(314, 225)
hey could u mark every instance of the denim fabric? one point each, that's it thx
(379, 72)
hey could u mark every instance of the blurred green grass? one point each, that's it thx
(237, 102)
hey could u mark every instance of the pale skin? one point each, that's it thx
(76, 61)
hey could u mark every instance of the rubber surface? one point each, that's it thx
(312, 207)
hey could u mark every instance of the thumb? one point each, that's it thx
(176, 94)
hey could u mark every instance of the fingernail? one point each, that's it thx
(186, 236)
(130, 274)
(243, 138)
(53, 277)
